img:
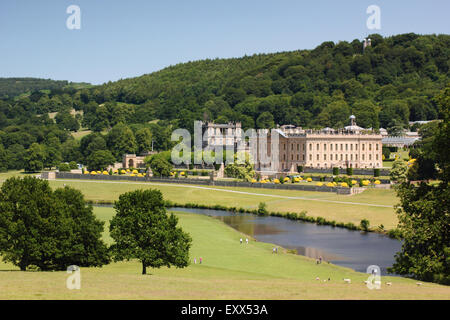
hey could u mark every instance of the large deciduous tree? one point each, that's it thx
(424, 218)
(100, 159)
(121, 140)
(160, 164)
(142, 230)
(48, 229)
(34, 158)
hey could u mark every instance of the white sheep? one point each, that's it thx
(317, 278)
(347, 280)
(389, 283)
(419, 283)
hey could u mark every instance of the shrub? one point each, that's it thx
(73, 165)
(195, 172)
(364, 224)
(335, 171)
(320, 221)
(64, 167)
(204, 173)
(350, 226)
(349, 171)
(299, 169)
(262, 209)
(386, 152)
(376, 172)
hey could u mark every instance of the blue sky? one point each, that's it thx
(121, 39)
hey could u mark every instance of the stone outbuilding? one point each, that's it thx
(134, 161)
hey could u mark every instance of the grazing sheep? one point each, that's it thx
(347, 280)
(317, 278)
(419, 283)
(389, 283)
(366, 282)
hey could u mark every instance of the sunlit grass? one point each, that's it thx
(229, 271)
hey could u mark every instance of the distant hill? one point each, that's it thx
(12, 87)
(391, 82)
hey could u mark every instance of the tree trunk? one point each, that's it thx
(144, 268)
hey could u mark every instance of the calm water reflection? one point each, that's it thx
(343, 247)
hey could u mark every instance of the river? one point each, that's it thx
(353, 249)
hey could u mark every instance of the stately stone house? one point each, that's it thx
(226, 135)
(349, 147)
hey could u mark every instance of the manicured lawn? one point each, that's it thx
(342, 208)
(229, 271)
(15, 173)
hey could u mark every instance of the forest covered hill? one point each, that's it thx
(12, 87)
(395, 80)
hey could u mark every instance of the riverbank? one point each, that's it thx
(374, 205)
(229, 271)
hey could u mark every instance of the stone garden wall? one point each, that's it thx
(289, 186)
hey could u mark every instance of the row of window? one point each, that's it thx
(336, 157)
(337, 146)
(325, 165)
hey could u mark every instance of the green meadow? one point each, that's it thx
(374, 204)
(230, 270)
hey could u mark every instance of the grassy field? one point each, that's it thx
(229, 271)
(80, 134)
(374, 204)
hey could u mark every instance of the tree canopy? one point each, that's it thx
(143, 230)
(48, 229)
(423, 212)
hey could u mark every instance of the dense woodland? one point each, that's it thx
(12, 87)
(393, 81)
